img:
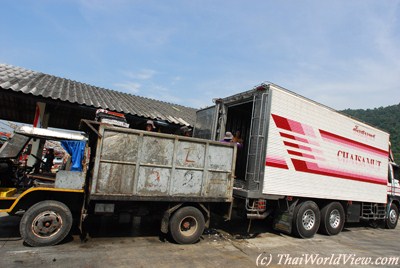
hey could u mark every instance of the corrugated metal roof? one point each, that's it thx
(39, 84)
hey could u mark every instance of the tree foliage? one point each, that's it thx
(385, 118)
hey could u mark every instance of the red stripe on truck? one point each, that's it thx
(301, 154)
(284, 135)
(294, 126)
(276, 162)
(298, 146)
(313, 168)
(277, 165)
(352, 143)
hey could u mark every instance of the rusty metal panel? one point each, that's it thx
(115, 178)
(120, 146)
(218, 184)
(117, 165)
(130, 164)
(70, 180)
(190, 154)
(220, 158)
(153, 181)
(157, 150)
(187, 182)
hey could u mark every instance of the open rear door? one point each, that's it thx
(256, 154)
(206, 123)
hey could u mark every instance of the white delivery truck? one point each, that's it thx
(308, 166)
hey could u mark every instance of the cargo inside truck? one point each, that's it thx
(239, 119)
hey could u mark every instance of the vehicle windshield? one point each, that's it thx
(14, 146)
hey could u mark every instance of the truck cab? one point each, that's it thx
(393, 195)
(46, 201)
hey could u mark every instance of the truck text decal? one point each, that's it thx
(363, 132)
(358, 158)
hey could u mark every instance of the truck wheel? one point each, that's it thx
(332, 219)
(46, 223)
(306, 219)
(393, 216)
(186, 225)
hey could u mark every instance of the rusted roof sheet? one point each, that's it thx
(39, 84)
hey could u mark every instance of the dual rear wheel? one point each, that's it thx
(332, 219)
(308, 219)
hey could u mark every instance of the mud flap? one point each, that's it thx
(207, 211)
(83, 234)
(166, 216)
(284, 218)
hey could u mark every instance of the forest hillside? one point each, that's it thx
(386, 118)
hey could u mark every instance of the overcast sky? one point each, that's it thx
(344, 54)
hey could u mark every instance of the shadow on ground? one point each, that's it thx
(9, 227)
(111, 226)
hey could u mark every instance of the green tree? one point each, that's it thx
(385, 118)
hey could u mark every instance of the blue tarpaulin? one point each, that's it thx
(77, 150)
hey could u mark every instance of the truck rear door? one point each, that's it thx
(206, 123)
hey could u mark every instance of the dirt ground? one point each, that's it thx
(139, 244)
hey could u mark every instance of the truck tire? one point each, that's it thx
(186, 225)
(306, 219)
(393, 217)
(332, 219)
(46, 223)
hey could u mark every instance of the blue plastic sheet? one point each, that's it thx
(77, 150)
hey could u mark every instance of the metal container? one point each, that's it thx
(139, 165)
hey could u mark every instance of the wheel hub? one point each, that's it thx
(393, 216)
(334, 218)
(188, 226)
(308, 219)
(46, 224)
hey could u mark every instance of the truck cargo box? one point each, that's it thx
(296, 147)
(139, 165)
(314, 151)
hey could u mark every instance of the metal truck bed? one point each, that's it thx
(138, 165)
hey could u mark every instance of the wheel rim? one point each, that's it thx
(334, 218)
(308, 219)
(188, 226)
(47, 224)
(392, 216)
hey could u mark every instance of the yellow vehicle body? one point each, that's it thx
(9, 197)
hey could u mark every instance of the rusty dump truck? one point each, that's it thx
(118, 170)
